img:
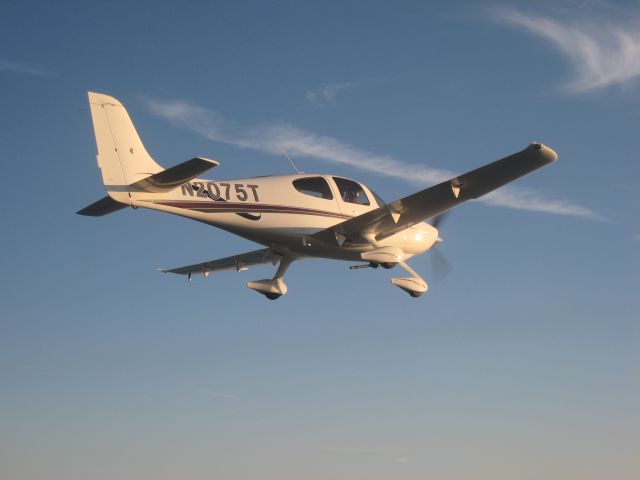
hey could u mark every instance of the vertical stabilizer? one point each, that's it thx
(122, 158)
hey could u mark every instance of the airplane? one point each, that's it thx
(293, 216)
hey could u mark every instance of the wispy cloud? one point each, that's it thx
(14, 67)
(601, 52)
(328, 93)
(275, 139)
(523, 198)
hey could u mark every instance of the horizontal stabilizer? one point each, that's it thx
(175, 176)
(102, 207)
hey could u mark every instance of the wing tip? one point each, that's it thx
(548, 154)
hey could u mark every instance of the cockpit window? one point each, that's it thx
(314, 186)
(351, 191)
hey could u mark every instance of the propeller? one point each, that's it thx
(438, 219)
(440, 267)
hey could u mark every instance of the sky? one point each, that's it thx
(522, 363)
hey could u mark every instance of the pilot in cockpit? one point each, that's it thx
(350, 195)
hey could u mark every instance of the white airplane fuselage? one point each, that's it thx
(273, 212)
(293, 216)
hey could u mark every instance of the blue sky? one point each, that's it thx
(524, 362)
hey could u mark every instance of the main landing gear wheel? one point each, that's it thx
(273, 288)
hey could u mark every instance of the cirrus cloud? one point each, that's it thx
(277, 138)
(601, 52)
(327, 93)
(22, 68)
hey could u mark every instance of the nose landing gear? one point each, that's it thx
(414, 285)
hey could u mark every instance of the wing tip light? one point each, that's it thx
(548, 154)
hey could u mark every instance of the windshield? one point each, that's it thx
(378, 198)
(351, 191)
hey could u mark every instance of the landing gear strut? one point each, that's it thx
(273, 288)
(414, 285)
(389, 257)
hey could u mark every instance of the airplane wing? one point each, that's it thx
(405, 212)
(235, 262)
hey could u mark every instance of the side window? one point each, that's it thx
(314, 186)
(351, 191)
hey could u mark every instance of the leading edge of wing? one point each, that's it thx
(420, 206)
(235, 262)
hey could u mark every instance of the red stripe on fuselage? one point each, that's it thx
(229, 207)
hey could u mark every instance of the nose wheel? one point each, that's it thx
(414, 285)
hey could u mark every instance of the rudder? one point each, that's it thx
(122, 157)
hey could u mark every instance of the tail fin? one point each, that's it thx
(122, 158)
(126, 166)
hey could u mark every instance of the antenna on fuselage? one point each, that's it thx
(284, 152)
